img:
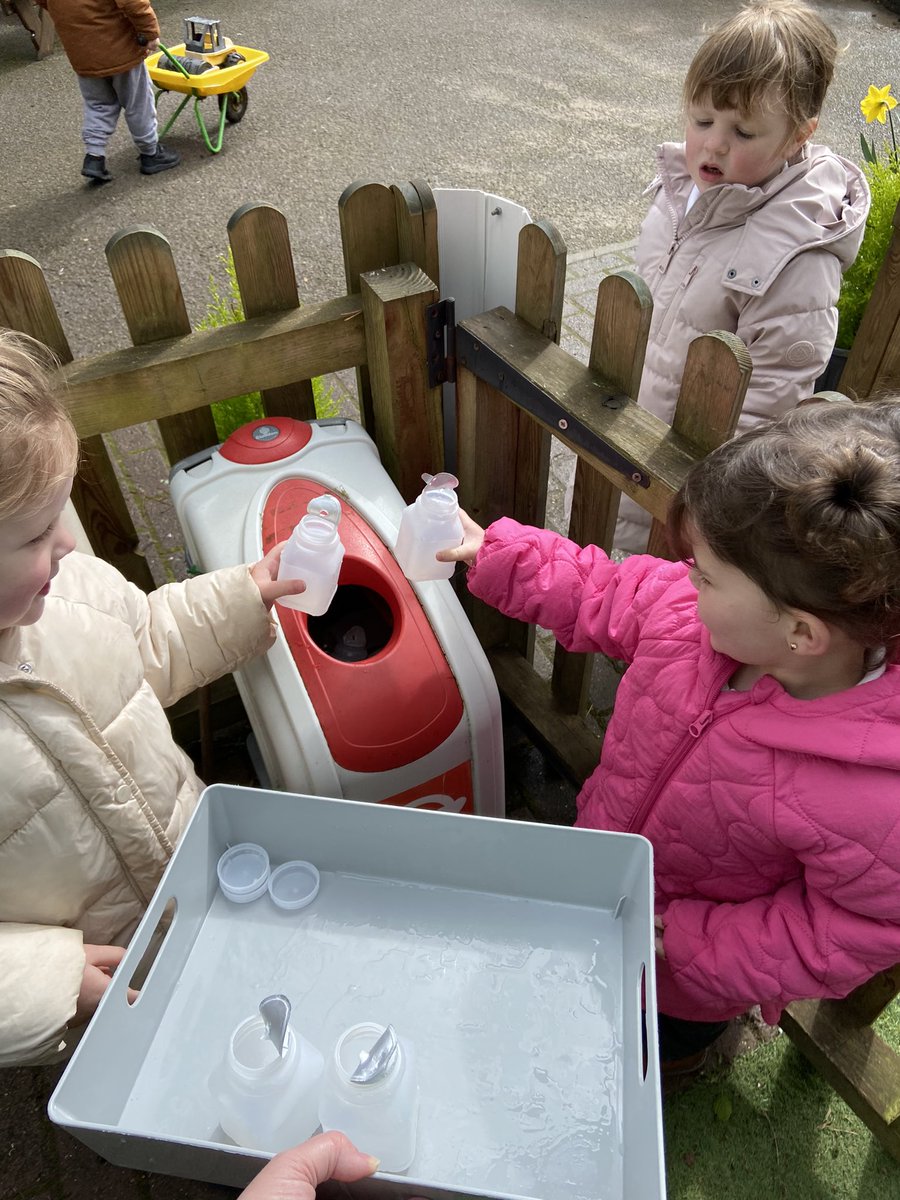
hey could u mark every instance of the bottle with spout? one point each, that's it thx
(370, 1093)
(429, 524)
(314, 554)
(266, 1088)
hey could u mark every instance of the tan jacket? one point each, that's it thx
(94, 793)
(100, 36)
(762, 262)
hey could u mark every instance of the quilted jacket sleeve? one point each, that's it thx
(41, 968)
(192, 632)
(589, 603)
(819, 935)
(790, 334)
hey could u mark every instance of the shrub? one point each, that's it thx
(225, 308)
(884, 180)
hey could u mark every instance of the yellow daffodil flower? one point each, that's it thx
(876, 105)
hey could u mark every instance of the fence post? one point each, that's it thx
(874, 359)
(146, 280)
(264, 269)
(716, 373)
(409, 429)
(26, 305)
(618, 343)
(368, 222)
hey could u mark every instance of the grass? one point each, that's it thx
(768, 1127)
(225, 308)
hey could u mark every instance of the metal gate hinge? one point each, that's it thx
(440, 331)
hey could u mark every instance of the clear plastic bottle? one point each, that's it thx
(429, 524)
(379, 1113)
(266, 1100)
(314, 554)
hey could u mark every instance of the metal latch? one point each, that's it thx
(440, 331)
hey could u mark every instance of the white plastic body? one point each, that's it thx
(429, 524)
(314, 554)
(267, 1102)
(220, 504)
(379, 1117)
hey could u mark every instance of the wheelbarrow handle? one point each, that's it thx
(176, 65)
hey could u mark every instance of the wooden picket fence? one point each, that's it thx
(516, 388)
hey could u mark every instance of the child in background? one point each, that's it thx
(94, 792)
(750, 226)
(756, 734)
(106, 42)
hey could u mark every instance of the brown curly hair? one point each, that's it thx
(809, 508)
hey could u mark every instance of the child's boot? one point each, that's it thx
(94, 167)
(160, 160)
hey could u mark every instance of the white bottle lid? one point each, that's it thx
(294, 884)
(243, 872)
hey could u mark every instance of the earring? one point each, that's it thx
(793, 645)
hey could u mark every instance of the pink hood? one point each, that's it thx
(775, 822)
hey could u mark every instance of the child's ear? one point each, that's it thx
(802, 135)
(810, 636)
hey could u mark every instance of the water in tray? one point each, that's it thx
(513, 1006)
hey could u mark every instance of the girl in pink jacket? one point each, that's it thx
(750, 226)
(756, 734)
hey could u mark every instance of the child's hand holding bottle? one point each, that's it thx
(265, 575)
(467, 551)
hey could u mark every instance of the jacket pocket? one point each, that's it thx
(674, 306)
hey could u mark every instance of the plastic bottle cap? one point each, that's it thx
(243, 872)
(294, 884)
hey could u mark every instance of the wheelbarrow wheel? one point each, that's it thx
(235, 106)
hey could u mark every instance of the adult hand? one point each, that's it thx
(99, 964)
(265, 575)
(473, 536)
(296, 1173)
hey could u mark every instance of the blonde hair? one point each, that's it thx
(38, 443)
(772, 51)
(809, 508)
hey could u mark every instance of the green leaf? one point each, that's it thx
(723, 1107)
(868, 149)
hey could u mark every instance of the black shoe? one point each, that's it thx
(94, 167)
(160, 160)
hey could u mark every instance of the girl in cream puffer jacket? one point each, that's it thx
(94, 792)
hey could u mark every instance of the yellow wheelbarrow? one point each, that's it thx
(222, 73)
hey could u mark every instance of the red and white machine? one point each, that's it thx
(388, 696)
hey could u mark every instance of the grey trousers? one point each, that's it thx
(104, 97)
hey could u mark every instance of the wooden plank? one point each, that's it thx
(873, 364)
(26, 305)
(431, 265)
(125, 387)
(408, 420)
(540, 289)
(716, 374)
(264, 268)
(630, 431)
(368, 223)
(860, 1067)
(146, 280)
(618, 343)
(870, 999)
(486, 429)
(564, 736)
(410, 225)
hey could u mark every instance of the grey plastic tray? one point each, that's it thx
(513, 955)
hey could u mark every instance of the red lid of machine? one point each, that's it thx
(266, 440)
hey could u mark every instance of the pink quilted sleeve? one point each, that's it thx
(589, 603)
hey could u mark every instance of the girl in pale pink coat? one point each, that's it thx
(750, 226)
(756, 734)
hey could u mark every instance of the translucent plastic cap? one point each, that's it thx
(243, 872)
(443, 481)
